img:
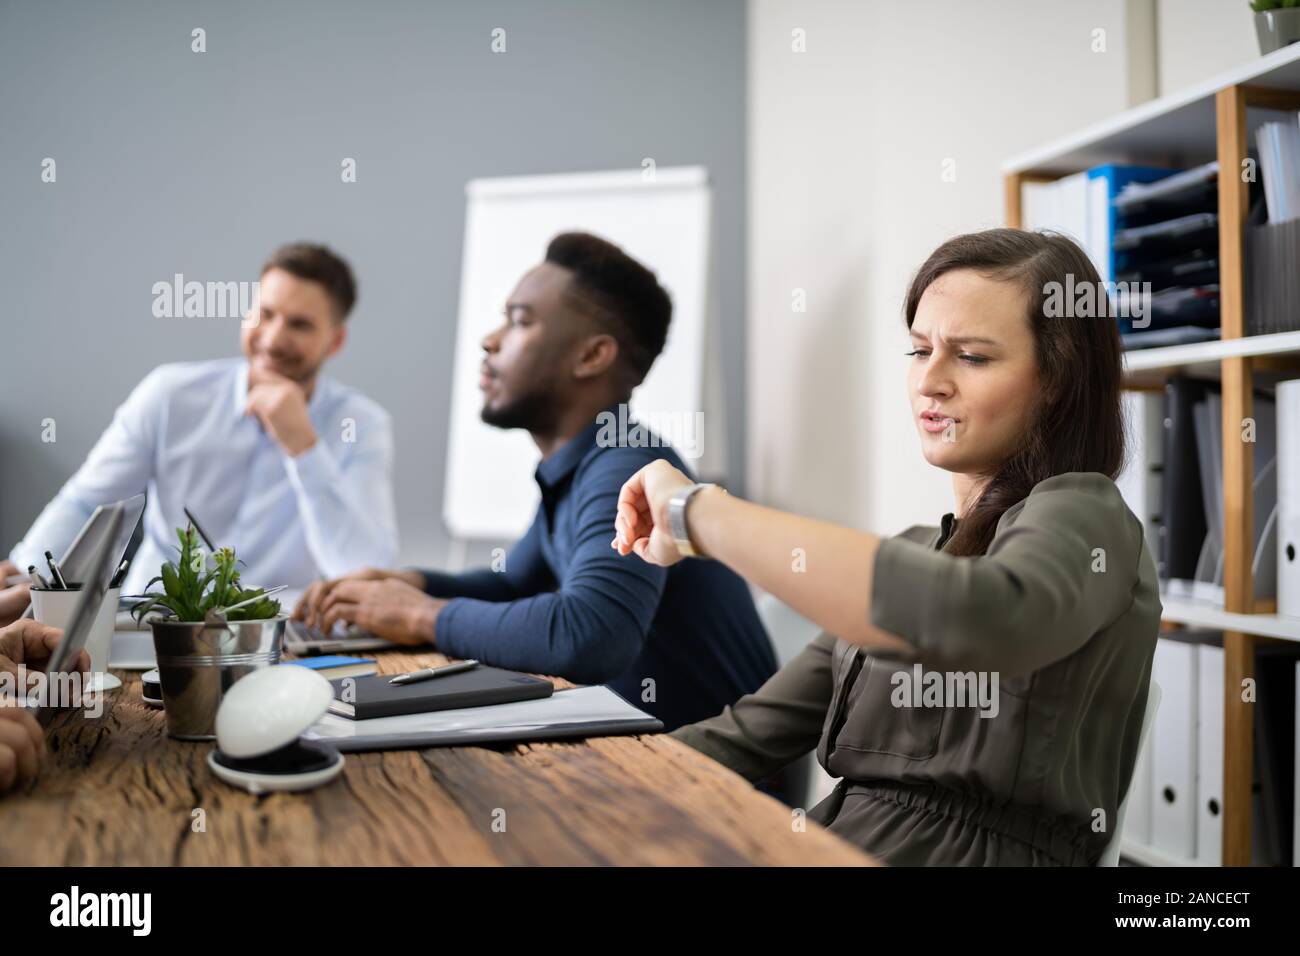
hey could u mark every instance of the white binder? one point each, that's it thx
(1139, 482)
(1209, 752)
(1173, 759)
(1295, 830)
(1288, 497)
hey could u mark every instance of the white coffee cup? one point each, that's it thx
(54, 607)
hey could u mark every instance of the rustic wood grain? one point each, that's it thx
(118, 791)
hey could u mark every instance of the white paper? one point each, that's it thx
(581, 705)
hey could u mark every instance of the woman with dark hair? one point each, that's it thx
(981, 684)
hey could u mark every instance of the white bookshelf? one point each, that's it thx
(1147, 367)
(1213, 120)
(1196, 613)
(1180, 127)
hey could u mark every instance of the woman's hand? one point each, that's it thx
(831, 586)
(642, 521)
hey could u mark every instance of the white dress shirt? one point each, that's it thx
(182, 435)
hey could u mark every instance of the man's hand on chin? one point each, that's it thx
(389, 608)
(280, 404)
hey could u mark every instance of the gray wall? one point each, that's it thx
(172, 161)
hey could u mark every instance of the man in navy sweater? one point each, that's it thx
(580, 332)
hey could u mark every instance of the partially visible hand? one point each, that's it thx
(641, 524)
(22, 747)
(30, 644)
(309, 609)
(13, 601)
(27, 644)
(280, 404)
(390, 608)
(8, 569)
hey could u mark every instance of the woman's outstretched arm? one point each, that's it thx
(822, 570)
(1070, 562)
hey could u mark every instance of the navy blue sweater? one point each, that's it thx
(680, 642)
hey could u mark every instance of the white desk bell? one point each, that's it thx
(258, 725)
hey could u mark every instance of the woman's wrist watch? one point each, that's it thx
(677, 517)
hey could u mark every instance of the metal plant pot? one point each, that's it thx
(198, 663)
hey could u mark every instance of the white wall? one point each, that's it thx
(846, 198)
(1199, 38)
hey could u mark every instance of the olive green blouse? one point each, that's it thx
(1050, 634)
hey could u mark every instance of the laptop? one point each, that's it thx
(101, 561)
(303, 640)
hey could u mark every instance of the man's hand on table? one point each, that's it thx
(389, 604)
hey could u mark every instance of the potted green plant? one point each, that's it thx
(1277, 23)
(208, 632)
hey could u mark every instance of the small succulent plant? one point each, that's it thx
(200, 582)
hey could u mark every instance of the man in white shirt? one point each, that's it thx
(291, 469)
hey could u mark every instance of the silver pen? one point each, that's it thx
(430, 672)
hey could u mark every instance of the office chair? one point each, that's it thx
(806, 782)
(1110, 855)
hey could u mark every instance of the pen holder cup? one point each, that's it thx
(54, 607)
(1272, 293)
(197, 664)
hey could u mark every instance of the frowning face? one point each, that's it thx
(973, 381)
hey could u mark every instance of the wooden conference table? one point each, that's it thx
(117, 791)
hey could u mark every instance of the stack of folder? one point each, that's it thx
(1167, 241)
(1150, 232)
(1273, 247)
(1175, 801)
(1186, 514)
(1279, 165)
(473, 706)
(1173, 482)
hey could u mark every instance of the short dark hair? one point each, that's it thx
(632, 304)
(317, 263)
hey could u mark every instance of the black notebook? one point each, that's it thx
(1182, 525)
(364, 697)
